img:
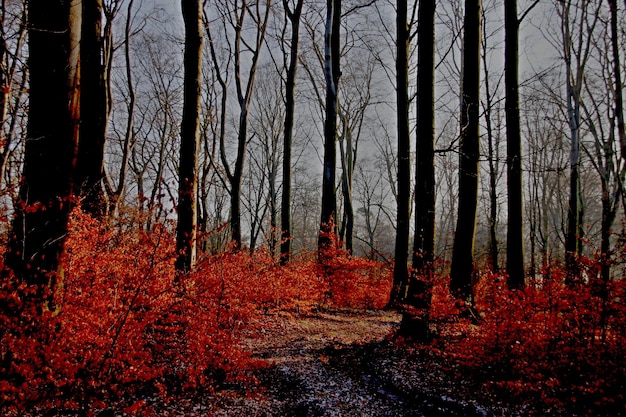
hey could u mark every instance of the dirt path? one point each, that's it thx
(338, 364)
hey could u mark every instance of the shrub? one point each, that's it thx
(550, 345)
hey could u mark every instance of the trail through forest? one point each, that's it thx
(344, 364)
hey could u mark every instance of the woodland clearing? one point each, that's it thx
(344, 363)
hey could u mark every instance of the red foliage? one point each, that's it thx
(550, 346)
(351, 281)
(127, 331)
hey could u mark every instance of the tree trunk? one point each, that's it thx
(331, 73)
(188, 169)
(400, 270)
(45, 197)
(515, 221)
(290, 87)
(93, 112)
(244, 90)
(493, 155)
(347, 169)
(573, 236)
(619, 103)
(462, 267)
(416, 321)
(116, 194)
(7, 78)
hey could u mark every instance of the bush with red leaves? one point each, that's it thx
(558, 349)
(125, 331)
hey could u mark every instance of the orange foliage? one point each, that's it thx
(126, 330)
(351, 281)
(548, 345)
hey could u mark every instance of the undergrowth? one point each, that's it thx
(123, 331)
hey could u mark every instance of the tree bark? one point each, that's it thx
(244, 90)
(462, 267)
(575, 57)
(416, 321)
(8, 89)
(290, 87)
(186, 232)
(332, 74)
(400, 269)
(93, 112)
(493, 155)
(45, 198)
(515, 220)
(619, 102)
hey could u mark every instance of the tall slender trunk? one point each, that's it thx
(493, 164)
(331, 73)
(186, 229)
(347, 169)
(515, 221)
(400, 270)
(290, 87)
(573, 235)
(416, 321)
(619, 103)
(462, 268)
(244, 95)
(116, 194)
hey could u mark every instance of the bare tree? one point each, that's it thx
(462, 268)
(293, 15)
(416, 320)
(13, 78)
(332, 74)
(357, 100)
(515, 221)
(186, 228)
(575, 53)
(617, 74)
(233, 15)
(546, 163)
(267, 123)
(114, 193)
(603, 151)
(492, 133)
(400, 270)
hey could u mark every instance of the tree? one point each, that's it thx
(93, 112)
(127, 143)
(246, 53)
(188, 165)
(493, 150)
(400, 269)
(547, 161)
(290, 85)
(604, 150)
(264, 151)
(619, 103)
(45, 197)
(331, 75)
(13, 77)
(415, 321)
(462, 268)
(357, 99)
(515, 221)
(576, 54)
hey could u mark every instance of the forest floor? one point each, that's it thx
(344, 363)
